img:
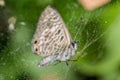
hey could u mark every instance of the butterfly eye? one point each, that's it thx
(36, 42)
(73, 44)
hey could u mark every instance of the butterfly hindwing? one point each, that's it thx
(52, 36)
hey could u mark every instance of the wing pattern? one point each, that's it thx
(51, 36)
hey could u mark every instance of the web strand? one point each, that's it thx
(85, 46)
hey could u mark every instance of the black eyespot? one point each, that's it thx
(36, 49)
(35, 42)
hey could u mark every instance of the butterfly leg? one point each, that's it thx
(47, 60)
(63, 57)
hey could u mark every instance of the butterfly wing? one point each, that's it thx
(52, 36)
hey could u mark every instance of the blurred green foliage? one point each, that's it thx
(98, 33)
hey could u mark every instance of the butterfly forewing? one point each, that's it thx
(51, 36)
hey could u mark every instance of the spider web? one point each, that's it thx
(80, 27)
(78, 31)
(88, 42)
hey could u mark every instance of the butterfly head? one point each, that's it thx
(74, 45)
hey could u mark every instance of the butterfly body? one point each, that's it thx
(52, 39)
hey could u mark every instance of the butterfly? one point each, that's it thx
(52, 40)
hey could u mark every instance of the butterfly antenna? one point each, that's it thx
(81, 20)
(76, 34)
